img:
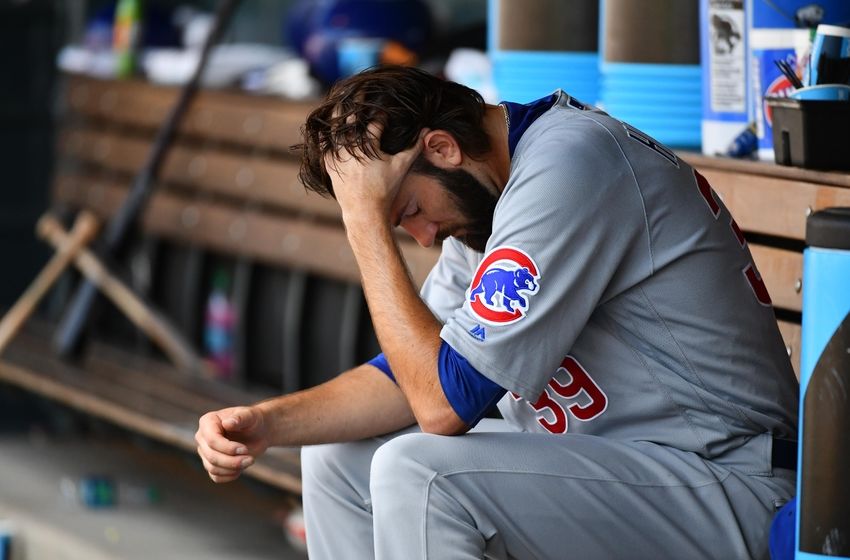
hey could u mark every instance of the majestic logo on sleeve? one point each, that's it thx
(502, 285)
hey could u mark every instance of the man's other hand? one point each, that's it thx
(230, 440)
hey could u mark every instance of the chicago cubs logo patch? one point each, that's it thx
(500, 290)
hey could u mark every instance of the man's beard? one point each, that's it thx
(473, 200)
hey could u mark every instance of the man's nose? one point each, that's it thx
(423, 231)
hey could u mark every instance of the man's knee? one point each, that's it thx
(323, 465)
(407, 460)
(415, 507)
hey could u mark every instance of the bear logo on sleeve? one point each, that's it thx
(501, 288)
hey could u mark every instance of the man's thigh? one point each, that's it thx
(543, 496)
(349, 463)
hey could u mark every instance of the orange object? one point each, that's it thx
(396, 53)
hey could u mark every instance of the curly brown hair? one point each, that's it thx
(403, 101)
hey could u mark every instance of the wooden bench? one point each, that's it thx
(228, 199)
(228, 196)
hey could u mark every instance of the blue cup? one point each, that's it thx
(356, 54)
(823, 92)
(830, 60)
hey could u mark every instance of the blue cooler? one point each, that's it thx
(823, 479)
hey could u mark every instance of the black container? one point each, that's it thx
(811, 134)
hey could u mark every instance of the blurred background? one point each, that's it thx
(237, 285)
(33, 35)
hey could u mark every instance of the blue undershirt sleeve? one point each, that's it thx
(380, 362)
(470, 393)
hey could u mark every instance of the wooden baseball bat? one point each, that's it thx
(147, 319)
(69, 333)
(84, 230)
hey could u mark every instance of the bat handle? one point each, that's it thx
(68, 339)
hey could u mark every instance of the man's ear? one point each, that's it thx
(441, 148)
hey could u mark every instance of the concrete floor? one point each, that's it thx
(196, 519)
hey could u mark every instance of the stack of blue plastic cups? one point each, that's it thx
(525, 68)
(650, 74)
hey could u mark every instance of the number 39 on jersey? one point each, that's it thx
(580, 397)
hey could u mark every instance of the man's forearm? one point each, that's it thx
(357, 404)
(408, 332)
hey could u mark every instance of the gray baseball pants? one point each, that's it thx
(499, 494)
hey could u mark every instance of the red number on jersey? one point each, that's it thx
(708, 194)
(757, 284)
(749, 271)
(546, 402)
(739, 235)
(580, 382)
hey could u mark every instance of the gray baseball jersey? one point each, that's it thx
(617, 297)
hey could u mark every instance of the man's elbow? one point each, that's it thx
(443, 422)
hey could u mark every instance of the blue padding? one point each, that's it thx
(380, 362)
(782, 542)
(468, 391)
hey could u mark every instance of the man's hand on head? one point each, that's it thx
(366, 188)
